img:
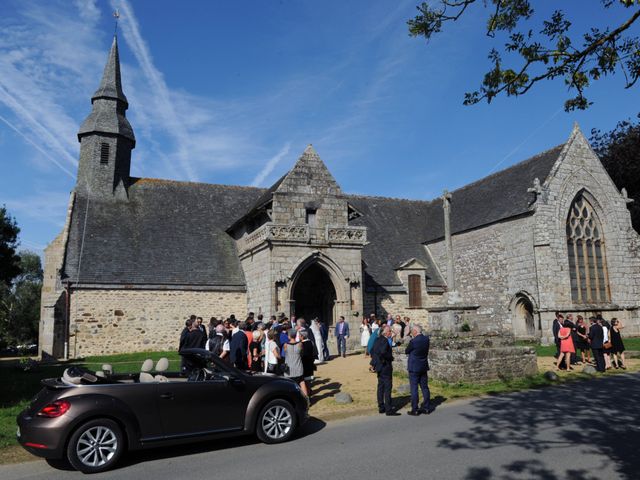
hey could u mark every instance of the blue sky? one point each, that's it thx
(232, 91)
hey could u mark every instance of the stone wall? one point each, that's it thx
(121, 321)
(492, 265)
(51, 335)
(468, 357)
(581, 171)
(395, 303)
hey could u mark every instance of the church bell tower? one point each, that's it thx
(106, 138)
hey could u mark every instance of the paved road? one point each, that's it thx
(584, 431)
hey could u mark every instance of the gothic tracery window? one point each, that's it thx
(587, 262)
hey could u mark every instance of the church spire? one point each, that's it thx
(111, 84)
(106, 137)
(109, 103)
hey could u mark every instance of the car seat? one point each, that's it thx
(145, 376)
(162, 366)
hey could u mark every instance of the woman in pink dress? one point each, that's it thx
(566, 346)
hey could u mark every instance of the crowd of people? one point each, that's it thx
(279, 345)
(601, 338)
(293, 347)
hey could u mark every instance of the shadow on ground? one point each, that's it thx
(600, 415)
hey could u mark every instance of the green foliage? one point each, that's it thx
(9, 261)
(465, 327)
(20, 302)
(554, 51)
(618, 150)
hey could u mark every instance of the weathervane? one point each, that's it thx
(116, 15)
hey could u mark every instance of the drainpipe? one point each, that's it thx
(67, 319)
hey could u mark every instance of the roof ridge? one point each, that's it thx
(353, 195)
(188, 182)
(510, 167)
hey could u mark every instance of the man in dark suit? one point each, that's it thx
(555, 328)
(418, 366)
(596, 338)
(381, 361)
(239, 346)
(342, 333)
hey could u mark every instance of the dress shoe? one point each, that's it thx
(381, 410)
(393, 413)
(426, 411)
(413, 413)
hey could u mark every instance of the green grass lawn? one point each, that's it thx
(20, 387)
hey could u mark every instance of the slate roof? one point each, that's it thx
(167, 233)
(395, 229)
(496, 197)
(174, 233)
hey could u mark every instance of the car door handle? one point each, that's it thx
(168, 396)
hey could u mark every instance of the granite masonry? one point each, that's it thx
(137, 256)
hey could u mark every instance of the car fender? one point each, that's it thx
(267, 392)
(99, 405)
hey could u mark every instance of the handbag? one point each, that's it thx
(607, 345)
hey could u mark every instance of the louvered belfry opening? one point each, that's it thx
(104, 153)
(587, 262)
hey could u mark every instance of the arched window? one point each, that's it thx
(587, 262)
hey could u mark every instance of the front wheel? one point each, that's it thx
(276, 422)
(96, 446)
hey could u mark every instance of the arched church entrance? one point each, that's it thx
(314, 295)
(523, 320)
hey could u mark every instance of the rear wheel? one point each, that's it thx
(276, 422)
(95, 446)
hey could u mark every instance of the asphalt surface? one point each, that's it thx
(583, 431)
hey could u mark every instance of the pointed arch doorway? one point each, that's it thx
(314, 295)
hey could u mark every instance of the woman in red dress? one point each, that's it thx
(566, 346)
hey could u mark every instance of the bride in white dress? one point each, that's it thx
(315, 328)
(365, 332)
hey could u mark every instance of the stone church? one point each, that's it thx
(138, 255)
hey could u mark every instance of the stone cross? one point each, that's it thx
(446, 205)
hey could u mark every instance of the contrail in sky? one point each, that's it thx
(169, 118)
(268, 168)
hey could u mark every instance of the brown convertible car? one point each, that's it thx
(90, 418)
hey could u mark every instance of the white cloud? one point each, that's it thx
(44, 206)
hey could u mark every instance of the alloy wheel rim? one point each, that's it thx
(96, 446)
(277, 422)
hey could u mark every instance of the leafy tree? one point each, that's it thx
(619, 151)
(20, 303)
(553, 51)
(9, 261)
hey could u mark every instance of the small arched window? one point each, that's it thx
(587, 262)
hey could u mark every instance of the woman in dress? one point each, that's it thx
(271, 353)
(606, 350)
(566, 346)
(617, 347)
(293, 361)
(317, 335)
(365, 334)
(308, 360)
(582, 340)
(255, 347)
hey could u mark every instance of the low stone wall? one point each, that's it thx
(122, 321)
(468, 357)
